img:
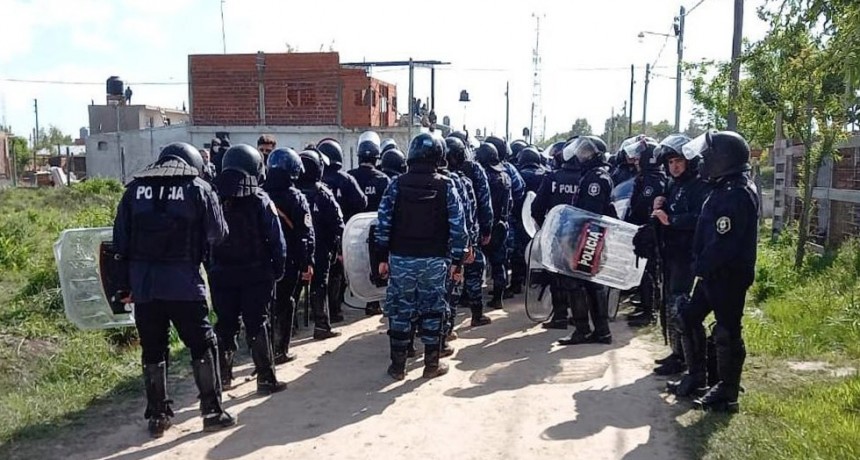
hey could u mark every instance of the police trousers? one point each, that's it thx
(191, 320)
(416, 295)
(251, 302)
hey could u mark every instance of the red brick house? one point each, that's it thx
(286, 89)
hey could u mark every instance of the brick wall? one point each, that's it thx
(301, 89)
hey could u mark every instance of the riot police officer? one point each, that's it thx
(677, 215)
(528, 162)
(474, 271)
(373, 183)
(516, 147)
(518, 194)
(560, 187)
(244, 268)
(352, 201)
(531, 168)
(393, 162)
(724, 256)
(624, 168)
(284, 168)
(650, 182)
(593, 195)
(328, 230)
(164, 222)
(495, 251)
(421, 231)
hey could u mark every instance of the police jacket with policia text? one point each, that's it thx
(345, 189)
(163, 226)
(327, 219)
(255, 250)
(724, 246)
(420, 216)
(296, 220)
(372, 183)
(558, 187)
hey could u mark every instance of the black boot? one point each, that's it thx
(495, 302)
(432, 367)
(322, 325)
(723, 397)
(478, 316)
(646, 318)
(225, 361)
(558, 319)
(694, 381)
(671, 367)
(283, 333)
(671, 357)
(336, 289)
(397, 369)
(372, 308)
(261, 354)
(206, 378)
(576, 338)
(158, 409)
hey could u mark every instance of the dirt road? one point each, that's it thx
(511, 394)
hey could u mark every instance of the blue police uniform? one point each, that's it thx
(164, 222)
(496, 252)
(465, 196)
(473, 274)
(328, 230)
(296, 221)
(422, 227)
(372, 182)
(647, 186)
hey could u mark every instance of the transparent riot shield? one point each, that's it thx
(528, 221)
(621, 197)
(89, 279)
(589, 246)
(360, 261)
(538, 300)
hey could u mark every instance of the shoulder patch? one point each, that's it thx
(594, 189)
(724, 225)
(308, 220)
(648, 191)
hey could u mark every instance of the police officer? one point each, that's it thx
(560, 187)
(328, 230)
(373, 183)
(495, 251)
(518, 194)
(554, 152)
(724, 256)
(352, 201)
(244, 268)
(624, 168)
(284, 168)
(650, 182)
(218, 146)
(516, 147)
(393, 162)
(531, 168)
(208, 167)
(483, 209)
(677, 215)
(165, 220)
(388, 144)
(593, 195)
(421, 230)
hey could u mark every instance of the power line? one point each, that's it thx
(662, 48)
(694, 7)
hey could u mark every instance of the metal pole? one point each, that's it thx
(507, 111)
(632, 86)
(732, 119)
(678, 70)
(411, 96)
(432, 89)
(36, 132)
(532, 123)
(645, 98)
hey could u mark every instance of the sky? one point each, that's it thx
(586, 50)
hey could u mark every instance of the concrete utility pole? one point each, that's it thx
(632, 86)
(36, 132)
(508, 111)
(645, 97)
(679, 32)
(411, 96)
(732, 120)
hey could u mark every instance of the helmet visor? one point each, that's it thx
(696, 147)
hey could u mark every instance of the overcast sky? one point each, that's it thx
(587, 47)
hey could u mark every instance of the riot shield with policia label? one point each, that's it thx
(361, 260)
(538, 299)
(93, 279)
(590, 246)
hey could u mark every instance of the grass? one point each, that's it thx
(50, 371)
(811, 314)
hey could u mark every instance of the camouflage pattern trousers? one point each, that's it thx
(416, 295)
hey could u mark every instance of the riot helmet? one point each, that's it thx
(244, 159)
(313, 166)
(723, 153)
(488, 156)
(502, 147)
(368, 149)
(516, 147)
(424, 148)
(555, 152)
(456, 151)
(332, 150)
(184, 152)
(529, 156)
(393, 162)
(286, 159)
(387, 144)
(584, 149)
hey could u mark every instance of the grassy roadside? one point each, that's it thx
(50, 371)
(802, 331)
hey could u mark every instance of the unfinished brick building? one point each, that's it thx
(286, 89)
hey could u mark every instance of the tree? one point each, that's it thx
(580, 128)
(22, 153)
(615, 131)
(52, 138)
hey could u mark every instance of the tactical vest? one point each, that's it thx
(165, 227)
(500, 194)
(420, 224)
(245, 244)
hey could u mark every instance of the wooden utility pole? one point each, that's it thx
(734, 89)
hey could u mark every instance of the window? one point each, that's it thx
(359, 97)
(301, 94)
(102, 145)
